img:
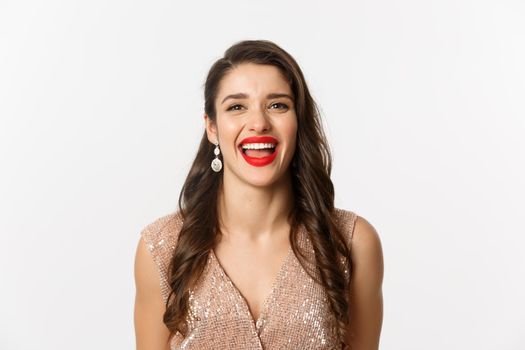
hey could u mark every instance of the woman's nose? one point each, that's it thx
(259, 121)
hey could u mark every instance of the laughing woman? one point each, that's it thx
(256, 255)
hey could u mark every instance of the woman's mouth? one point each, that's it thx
(259, 153)
(258, 150)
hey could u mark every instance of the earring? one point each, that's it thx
(216, 164)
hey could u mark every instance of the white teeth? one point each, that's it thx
(258, 145)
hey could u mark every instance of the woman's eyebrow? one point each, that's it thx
(269, 96)
(279, 95)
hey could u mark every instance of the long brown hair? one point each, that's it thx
(313, 194)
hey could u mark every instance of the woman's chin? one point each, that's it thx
(261, 180)
(254, 178)
(266, 179)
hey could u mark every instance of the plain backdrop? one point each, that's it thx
(101, 106)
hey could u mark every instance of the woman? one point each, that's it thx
(257, 257)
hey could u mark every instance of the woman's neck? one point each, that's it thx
(255, 213)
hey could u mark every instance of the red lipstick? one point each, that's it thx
(262, 161)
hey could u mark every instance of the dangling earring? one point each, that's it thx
(216, 164)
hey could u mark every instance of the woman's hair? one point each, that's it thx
(312, 187)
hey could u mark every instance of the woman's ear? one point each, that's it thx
(211, 129)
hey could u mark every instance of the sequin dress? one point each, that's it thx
(295, 315)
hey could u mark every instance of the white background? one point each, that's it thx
(101, 106)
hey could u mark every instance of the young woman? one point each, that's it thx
(257, 256)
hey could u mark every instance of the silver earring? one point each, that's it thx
(216, 164)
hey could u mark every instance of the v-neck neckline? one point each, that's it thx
(264, 307)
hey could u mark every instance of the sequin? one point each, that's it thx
(295, 315)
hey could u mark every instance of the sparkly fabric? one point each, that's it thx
(295, 315)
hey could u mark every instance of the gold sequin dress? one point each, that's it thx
(295, 315)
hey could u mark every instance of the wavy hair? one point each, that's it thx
(312, 188)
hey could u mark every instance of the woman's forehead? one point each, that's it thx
(253, 80)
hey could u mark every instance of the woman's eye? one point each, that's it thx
(234, 108)
(280, 105)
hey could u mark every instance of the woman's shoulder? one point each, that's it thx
(356, 227)
(344, 215)
(345, 220)
(162, 232)
(160, 237)
(365, 240)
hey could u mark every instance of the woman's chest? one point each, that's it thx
(294, 314)
(253, 272)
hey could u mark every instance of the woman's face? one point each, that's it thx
(256, 124)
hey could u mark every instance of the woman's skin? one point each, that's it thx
(254, 204)
(255, 201)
